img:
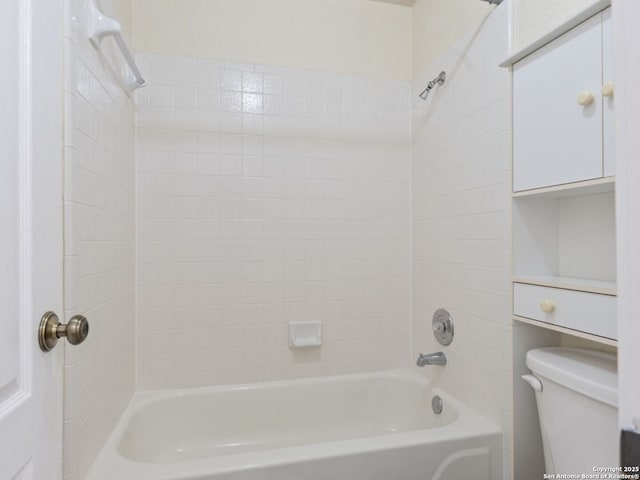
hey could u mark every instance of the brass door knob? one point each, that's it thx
(76, 331)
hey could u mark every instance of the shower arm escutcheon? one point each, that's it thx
(50, 330)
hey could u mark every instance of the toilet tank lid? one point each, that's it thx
(588, 372)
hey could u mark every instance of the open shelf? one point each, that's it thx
(586, 187)
(563, 241)
(602, 287)
(567, 331)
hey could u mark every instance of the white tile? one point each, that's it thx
(99, 205)
(252, 82)
(252, 103)
(231, 101)
(185, 76)
(184, 97)
(231, 80)
(253, 221)
(208, 99)
(207, 77)
(161, 96)
(160, 73)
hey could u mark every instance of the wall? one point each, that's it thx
(439, 24)
(532, 20)
(122, 11)
(267, 195)
(99, 269)
(627, 74)
(346, 36)
(461, 221)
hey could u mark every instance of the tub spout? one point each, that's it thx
(438, 358)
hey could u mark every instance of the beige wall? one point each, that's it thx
(533, 19)
(121, 11)
(439, 24)
(344, 36)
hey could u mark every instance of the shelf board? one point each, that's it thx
(601, 287)
(568, 331)
(586, 187)
(564, 27)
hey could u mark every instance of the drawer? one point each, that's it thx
(587, 312)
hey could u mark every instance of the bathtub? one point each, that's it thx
(377, 426)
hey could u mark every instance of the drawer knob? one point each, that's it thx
(607, 89)
(547, 306)
(585, 98)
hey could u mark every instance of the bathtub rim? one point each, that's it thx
(144, 398)
(111, 464)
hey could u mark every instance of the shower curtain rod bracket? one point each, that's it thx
(99, 26)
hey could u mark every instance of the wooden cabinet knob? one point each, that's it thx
(607, 89)
(547, 306)
(585, 98)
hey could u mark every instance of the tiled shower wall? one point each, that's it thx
(99, 264)
(461, 220)
(268, 195)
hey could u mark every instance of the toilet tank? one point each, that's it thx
(578, 408)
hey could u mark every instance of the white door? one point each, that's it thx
(30, 237)
(555, 139)
(608, 113)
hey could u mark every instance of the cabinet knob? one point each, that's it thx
(607, 89)
(547, 306)
(585, 98)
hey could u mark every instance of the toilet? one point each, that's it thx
(577, 398)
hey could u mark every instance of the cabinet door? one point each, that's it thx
(608, 116)
(555, 139)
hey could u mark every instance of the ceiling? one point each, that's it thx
(406, 3)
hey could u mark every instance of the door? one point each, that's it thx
(30, 237)
(608, 99)
(557, 140)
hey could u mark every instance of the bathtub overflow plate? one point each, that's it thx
(436, 404)
(442, 325)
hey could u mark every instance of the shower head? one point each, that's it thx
(493, 2)
(439, 80)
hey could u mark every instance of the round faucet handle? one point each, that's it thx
(442, 326)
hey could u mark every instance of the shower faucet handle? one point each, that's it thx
(442, 326)
(439, 327)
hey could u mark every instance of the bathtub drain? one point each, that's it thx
(436, 404)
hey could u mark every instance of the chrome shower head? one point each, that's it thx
(493, 2)
(439, 80)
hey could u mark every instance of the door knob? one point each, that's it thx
(76, 331)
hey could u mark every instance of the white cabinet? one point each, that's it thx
(563, 208)
(607, 92)
(564, 233)
(559, 109)
(585, 312)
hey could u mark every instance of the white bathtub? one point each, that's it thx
(357, 427)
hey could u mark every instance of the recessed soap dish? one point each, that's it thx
(305, 334)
